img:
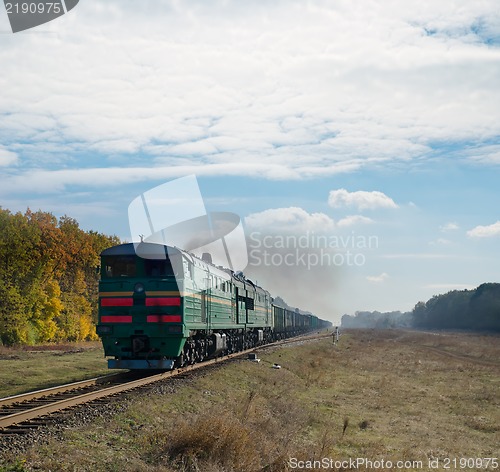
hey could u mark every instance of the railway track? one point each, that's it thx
(21, 413)
(18, 410)
(18, 413)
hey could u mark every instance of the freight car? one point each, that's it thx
(169, 308)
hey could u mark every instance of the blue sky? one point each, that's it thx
(363, 119)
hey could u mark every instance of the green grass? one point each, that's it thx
(46, 366)
(374, 395)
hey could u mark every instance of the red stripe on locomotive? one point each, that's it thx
(117, 301)
(163, 301)
(164, 319)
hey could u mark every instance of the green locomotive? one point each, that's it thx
(168, 308)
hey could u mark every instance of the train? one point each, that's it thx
(162, 308)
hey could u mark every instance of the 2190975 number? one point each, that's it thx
(32, 8)
(470, 463)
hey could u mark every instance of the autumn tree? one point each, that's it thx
(48, 278)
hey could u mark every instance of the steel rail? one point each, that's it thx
(22, 397)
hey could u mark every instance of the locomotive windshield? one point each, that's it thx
(120, 266)
(157, 268)
(133, 266)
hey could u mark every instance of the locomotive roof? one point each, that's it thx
(130, 249)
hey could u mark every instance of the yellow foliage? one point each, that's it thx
(50, 308)
(49, 282)
(87, 329)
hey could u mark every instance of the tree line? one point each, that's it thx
(378, 320)
(48, 278)
(474, 310)
(477, 310)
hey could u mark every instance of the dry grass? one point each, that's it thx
(195, 442)
(378, 395)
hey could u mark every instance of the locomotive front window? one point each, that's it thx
(158, 268)
(120, 266)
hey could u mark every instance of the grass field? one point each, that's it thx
(37, 367)
(421, 401)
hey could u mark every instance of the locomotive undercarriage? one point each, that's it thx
(199, 346)
(202, 345)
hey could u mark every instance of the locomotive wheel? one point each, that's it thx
(179, 362)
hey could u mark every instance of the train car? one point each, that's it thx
(289, 322)
(167, 308)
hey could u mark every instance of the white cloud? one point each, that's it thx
(297, 220)
(55, 181)
(484, 154)
(353, 220)
(440, 242)
(292, 219)
(485, 231)
(360, 199)
(7, 157)
(378, 278)
(268, 82)
(449, 227)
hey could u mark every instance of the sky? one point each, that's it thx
(358, 141)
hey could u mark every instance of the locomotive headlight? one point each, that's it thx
(139, 288)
